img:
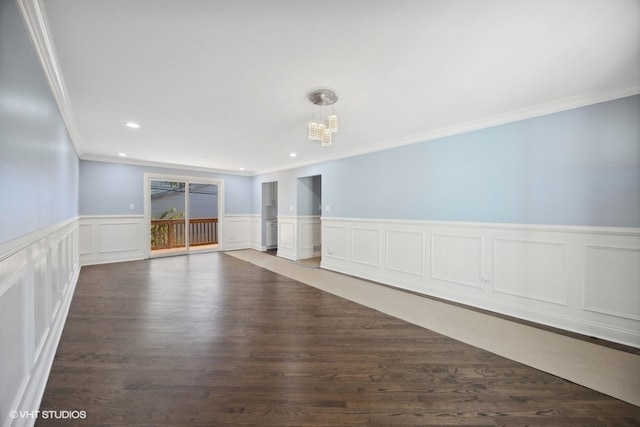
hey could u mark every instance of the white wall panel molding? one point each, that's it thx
(577, 278)
(308, 239)
(612, 281)
(287, 238)
(38, 240)
(530, 269)
(366, 246)
(38, 274)
(112, 238)
(405, 251)
(117, 238)
(299, 237)
(236, 232)
(335, 241)
(457, 259)
(255, 225)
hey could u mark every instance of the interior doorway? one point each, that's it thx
(270, 216)
(309, 207)
(183, 214)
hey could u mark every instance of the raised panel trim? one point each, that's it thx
(102, 226)
(54, 252)
(283, 229)
(255, 232)
(287, 236)
(327, 248)
(12, 268)
(569, 315)
(585, 287)
(235, 232)
(307, 226)
(11, 247)
(477, 284)
(85, 239)
(93, 251)
(417, 272)
(378, 231)
(496, 286)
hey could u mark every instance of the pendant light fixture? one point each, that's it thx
(324, 121)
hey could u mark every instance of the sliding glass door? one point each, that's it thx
(168, 216)
(183, 215)
(203, 216)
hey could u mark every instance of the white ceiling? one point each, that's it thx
(223, 84)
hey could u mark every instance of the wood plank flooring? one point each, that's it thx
(209, 340)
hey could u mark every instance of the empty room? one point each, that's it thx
(297, 213)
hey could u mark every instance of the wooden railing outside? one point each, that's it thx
(170, 233)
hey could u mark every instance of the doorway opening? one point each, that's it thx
(270, 216)
(309, 204)
(183, 215)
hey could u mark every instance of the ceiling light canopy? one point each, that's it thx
(324, 121)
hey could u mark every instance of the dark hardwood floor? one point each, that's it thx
(209, 340)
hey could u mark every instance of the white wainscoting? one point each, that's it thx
(255, 226)
(236, 232)
(117, 238)
(299, 237)
(113, 238)
(580, 279)
(287, 233)
(38, 274)
(309, 239)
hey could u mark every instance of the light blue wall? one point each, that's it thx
(309, 195)
(577, 167)
(109, 188)
(38, 163)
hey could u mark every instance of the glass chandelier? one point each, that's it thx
(324, 121)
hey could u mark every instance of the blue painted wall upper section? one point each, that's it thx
(109, 188)
(309, 195)
(577, 167)
(38, 163)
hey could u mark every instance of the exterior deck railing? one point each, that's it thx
(170, 233)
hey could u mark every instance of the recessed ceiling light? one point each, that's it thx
(133, 125)
(122, 154)
(241, 169)
(292, 154)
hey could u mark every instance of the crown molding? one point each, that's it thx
(34, 16)
(530, 112)
(147, 163)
